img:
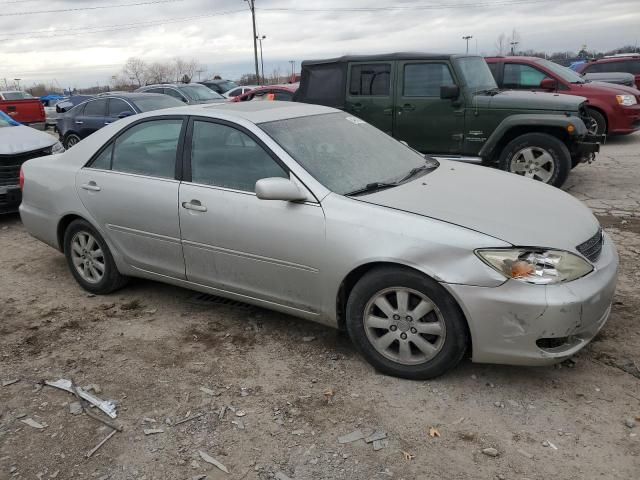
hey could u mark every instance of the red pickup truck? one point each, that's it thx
(614, 109)
(23, 108)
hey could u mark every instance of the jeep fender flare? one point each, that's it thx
(532, 120)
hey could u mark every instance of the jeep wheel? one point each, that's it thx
(596, 123)
(538, 156)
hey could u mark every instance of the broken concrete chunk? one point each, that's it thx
(308, 339)
(297, 432)
(33, 423)
(377, 435)
(221, 413)
(208, 391)
(380, 444)
(153, 431)
(240, 413)
(491, 452)
(75, 408)
(282, 476)
(209, 459)
(525, 454)
(630, 423)
(351, 437)
(106, 406)
(239, 424)
(6, 383)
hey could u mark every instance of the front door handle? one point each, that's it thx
(194, 205)
(407, 107)
(78, 122)
(91, 186)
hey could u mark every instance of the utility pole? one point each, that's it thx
(513, 47)
(260, 39)
(17, 80)
(467, 38)
(252, 7)
(293, 70)
(199, 72)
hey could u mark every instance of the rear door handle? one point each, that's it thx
(194, 205)
(407, 107)
(91, 186)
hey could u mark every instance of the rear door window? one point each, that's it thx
(117, 107)
(95, 108)
(425, 79)
(370, 80)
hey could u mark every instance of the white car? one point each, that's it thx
(237, 91)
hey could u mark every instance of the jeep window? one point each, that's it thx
(522, 76)
(325, 84)
(563, 73)
(476, 73)
(425, 79)
(345, 153)
(370, 80)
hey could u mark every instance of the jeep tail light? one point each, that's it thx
(21, 178)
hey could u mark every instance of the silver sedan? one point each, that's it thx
(312, 212)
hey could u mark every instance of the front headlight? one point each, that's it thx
(626, 100)
(539, 266)
(57, 148)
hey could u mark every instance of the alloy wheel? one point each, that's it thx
(535, 163)
(404, 325)
(87, 257)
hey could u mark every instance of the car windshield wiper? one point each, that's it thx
(371, 187)
(414, 171)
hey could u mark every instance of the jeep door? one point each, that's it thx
(369, 94)
(422, 119)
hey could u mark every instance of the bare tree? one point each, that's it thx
(185, 69)
(159, 72)
(135, 69)
(501, 45)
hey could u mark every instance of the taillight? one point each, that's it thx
(21, 178)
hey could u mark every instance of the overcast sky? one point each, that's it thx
(218, 32)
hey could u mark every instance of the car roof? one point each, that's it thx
(131, 95)
(615, 59)
(254, 112)
(388, 57)
(174, 85)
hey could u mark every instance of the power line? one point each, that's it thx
(442, 6)
(96, 7)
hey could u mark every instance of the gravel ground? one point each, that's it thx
(289, 389)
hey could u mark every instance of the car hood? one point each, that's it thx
(523, 100)
(514, 209)
(21, 139)
(603, 87)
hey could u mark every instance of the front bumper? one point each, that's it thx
(627, 120)
(10, 198)
(523, 324)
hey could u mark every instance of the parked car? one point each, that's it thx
(613, 109)
(189, 93)
(619, 78)
(90, 116)
(313, 212)
(18, 144)
(51, 112)
(234, 92)
(626, 64)
(219, 86)
(23, 108)
(283, 93)
(450, 106)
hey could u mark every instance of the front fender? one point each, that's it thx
(532, 120)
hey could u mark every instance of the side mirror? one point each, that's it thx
(126, 114)
(277, 188)
(548, 84)
(449, 92)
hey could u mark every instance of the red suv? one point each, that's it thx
(622, 63)
(614, 109)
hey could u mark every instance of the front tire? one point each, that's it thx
(598, 123)
(538, 156)
(406, 324)
(90, 259)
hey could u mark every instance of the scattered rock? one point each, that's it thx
(153, 431)
(377, 435)
(93, 387)
(148, 420)
(238, 423)
(467, 436)
(75, 408)
(308, 339)
(6, 383)
(33, 423)
(498, 404)
(433, 432)
(525, 454)
(351, 437)
(630, 423)
(198, 477)
(281, 476)
(240, 413)
(491, 452)
(209, 459)
(380, 444)
(208, 391)
(297, 432)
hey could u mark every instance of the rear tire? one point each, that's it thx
(70, 140)
(599, 123)
(90, 259)
(391, 339)
(538, 156)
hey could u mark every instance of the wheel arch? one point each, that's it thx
(350, 280)
(519, 130)
(63, 224)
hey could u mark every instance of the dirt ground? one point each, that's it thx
(297, 387)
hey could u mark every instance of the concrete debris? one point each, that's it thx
(221, 413)
(149, 420)
(547, 443)
(525, 454)
(351, 437)
(380, 444)
(198, 477)
(188, 419)
(491, 452)
(208, 391)
(75, 408)
(33, 423)
(238, 423)
(209, 459)
(630, 423)
(433, 432)
(377, 435)
(240, 413)
(6, 383)
(106, 406)
(329, 393)
(298, 432)
(308, 339)
(281, 476)
(95, 449)
(153, 431)
(244, 392)
(498, 404)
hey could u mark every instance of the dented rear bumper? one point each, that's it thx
(523, 324)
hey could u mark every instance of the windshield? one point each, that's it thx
(476, 73)
(564, 73)
(200, 93)
(344, 153)
(158, 102)
(7, 121)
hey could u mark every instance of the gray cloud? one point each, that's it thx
(224, 43)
